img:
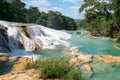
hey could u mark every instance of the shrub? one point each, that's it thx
(56, 68)
(74, 74)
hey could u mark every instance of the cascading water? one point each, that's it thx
(39, 36)
(47, 37)
(28, 44)
(13, 36)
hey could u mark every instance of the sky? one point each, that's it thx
(66, 7)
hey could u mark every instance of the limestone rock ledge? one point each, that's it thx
(13, 68)
(86, 62)
(3, 40)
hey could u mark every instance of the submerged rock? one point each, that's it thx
(117, 46)
(118, 40)
(87, 70)
(91, 64)
(76, 50)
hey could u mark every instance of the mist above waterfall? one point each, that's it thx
(31, 37)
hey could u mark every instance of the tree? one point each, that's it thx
(17, 10)
(101, 17)
(4, 10)
(32, 15)
(55, 20)
(42, 19)
(14, 10)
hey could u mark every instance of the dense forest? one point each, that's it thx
(102, 17)
(14, 10)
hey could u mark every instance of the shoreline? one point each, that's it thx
(101, 37)
(106, 38)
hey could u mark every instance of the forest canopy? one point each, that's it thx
(14, 10)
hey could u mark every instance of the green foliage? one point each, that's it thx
(74, 74)
(102, 17)
(14, 10)
(56, 68)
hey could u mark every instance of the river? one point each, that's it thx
(94, 46)
(98, 46)
(87, 45)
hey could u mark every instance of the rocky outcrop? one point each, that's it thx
(4, 58)
(13, 68)
(23, 29)
(17, 69)
(12, 63)
(3, 40)
(108, 59)
(83, 59)
(80, 59)
(89, 63)
(21, 64)
(21, 75)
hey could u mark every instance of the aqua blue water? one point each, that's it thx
(91, 45)
(106, 72)
(97, 46)
(48, 53)
(87, 45)
(58, 51)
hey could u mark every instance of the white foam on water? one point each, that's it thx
(40, 36)
(23, 53)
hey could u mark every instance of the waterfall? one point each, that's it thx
(44, 35)
(37, 36)
(28, 44)
(13, 37)
(18, 40)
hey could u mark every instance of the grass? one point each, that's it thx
(56, 68)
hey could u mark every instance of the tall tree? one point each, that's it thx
(100, 16)
(4, 10)
(17, 10)
(32, 15)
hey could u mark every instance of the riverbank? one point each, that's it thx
(106, 38)
(13, 67)
(101, 37)
(96, 64)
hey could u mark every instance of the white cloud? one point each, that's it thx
(37, 3)
(76, 14)
(46, 9)
(56, 9)
(43, 5)
(72, 1)
(75, 9)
